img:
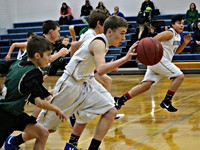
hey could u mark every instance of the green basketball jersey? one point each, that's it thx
(14, 99)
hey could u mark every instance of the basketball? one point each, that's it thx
(149, 51)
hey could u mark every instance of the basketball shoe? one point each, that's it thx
(9, 144)
(118, 103)
(70, 146)
(168, 106)
(119, 116)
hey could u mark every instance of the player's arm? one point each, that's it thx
(186, 40)
(46, 105)
(98, 49)
(74, 47)
(37, 110)
(164, 36)
(21, 45)
(62, 53)
(32, 82)
(72, 32)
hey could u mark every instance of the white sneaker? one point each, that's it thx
(119, 116)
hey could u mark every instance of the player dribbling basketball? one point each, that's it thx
(171, 42)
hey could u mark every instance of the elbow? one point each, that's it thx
(100, 72)
(40, 104)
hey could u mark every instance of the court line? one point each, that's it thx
(131, 121)
(164, 129)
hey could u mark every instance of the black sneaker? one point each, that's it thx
(168, 107)
(118, 103)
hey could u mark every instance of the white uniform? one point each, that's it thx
(76, 92)
(165, 67)
(90, 33)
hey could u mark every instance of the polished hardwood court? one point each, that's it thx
(145, 126)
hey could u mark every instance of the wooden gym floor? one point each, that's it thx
(145, 126)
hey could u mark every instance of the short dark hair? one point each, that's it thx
(114, 22)
(49, 25)
(38, 44)
(30, 34)
(95, 16)
(177, 17)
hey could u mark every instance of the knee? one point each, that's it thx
(112, 113)
(181, 77)
(146, 85)
(43, 134)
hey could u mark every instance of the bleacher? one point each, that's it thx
(188, 62)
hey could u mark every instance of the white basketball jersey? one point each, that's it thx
(90, 33)
(82, 65)
(171, 46)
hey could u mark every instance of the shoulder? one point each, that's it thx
(164, 36)
(35, 73)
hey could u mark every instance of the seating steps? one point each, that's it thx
(185, 60)
(188, 65)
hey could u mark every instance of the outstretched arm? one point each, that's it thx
(98, 49)
(21, 45)
(186, 40)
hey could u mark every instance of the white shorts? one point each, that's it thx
(85, 99)
(163, 68)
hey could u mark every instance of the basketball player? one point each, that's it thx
(51, 31)
(20, 45)
(171, 42)
(78, 92)
(24, 78)
(96, 20)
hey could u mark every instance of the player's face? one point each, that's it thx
(117, 36)
(45, 59)
(178, 26)
(56, 34)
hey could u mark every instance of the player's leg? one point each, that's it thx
(98, 101)
(38, 132)
(22, 123)
(149, 78)
(102, 128)
(106, 81)
(168, 69)
(175, 84)
(75, 135)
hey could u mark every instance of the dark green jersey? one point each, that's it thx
(23, 79)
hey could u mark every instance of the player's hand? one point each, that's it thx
(131, 52)
(187, 38)
(7, 58)
(61, 115)
(63, 52)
